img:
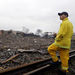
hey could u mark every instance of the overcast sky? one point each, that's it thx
(34, 14)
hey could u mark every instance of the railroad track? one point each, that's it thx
(32, 68)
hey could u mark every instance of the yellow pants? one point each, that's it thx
(64, 55)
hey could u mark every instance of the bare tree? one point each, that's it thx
(38, 32)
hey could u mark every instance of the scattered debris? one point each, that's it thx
(1, 68)
(10, 58)
(19, 40)
(17, 48)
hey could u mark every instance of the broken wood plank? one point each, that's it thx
(28, 51)
(31, 51)
(12, 57)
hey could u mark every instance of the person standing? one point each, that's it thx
(62, 42)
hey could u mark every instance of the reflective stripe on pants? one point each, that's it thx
(64, 55)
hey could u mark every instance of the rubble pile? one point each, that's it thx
(17, 48)
(10, 58)
(11, 40)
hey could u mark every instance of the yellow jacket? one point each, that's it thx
(63, 38)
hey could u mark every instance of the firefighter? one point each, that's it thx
(62, 43)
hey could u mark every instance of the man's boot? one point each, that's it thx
(62, 72)
(55, 65)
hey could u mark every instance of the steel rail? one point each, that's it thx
(31, 68)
